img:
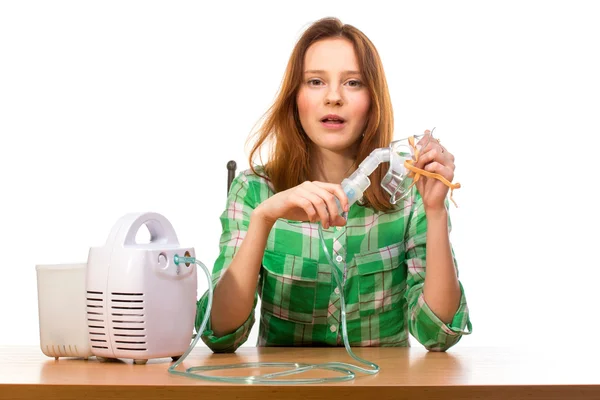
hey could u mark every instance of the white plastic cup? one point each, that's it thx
(62, 310)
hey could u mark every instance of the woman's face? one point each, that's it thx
(333, 102)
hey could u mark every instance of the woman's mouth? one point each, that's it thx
(333, 122)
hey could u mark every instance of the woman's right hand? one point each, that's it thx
(309, 201)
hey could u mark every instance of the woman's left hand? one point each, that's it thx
(437, 159)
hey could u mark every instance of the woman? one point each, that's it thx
(334, 109)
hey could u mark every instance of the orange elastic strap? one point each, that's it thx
(417, 172)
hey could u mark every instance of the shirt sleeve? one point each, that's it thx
(424, 325)
(234, 221)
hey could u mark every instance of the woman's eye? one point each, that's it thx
(314, 82)
(354, 83)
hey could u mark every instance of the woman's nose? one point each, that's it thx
(333, 96)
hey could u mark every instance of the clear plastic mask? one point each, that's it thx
(396, 181)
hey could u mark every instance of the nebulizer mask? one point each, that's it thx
(398, 182)
(401, 176)
(395, 181)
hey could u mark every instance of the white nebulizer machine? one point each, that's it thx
(140, 304)
(129, 301)
(138, 301)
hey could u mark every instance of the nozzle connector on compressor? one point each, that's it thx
(186, 260)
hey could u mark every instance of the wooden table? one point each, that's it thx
(406, 373)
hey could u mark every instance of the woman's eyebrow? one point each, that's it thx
(320, 71)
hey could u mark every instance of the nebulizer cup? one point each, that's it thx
(396, 181)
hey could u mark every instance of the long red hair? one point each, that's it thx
(289, 159)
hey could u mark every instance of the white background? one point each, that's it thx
(118, 106)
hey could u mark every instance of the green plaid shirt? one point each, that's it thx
(383, 254)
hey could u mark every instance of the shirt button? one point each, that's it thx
(337, 290)
(339, 258)
(333, 328)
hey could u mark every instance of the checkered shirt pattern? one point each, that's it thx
(381, 254)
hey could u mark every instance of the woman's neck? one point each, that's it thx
(331, 167)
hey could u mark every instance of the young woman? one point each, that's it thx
(332, 111)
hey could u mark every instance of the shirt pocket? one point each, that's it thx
(381, 283)
(289, 286)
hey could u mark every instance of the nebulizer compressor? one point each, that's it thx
(141, 298)
(129, 300)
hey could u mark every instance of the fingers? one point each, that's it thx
(319, 205)
(337, 191)
(308, 208)
(427, 156)
(424, 142)
(419, 184)
(437, 168)
(338, 220)
(324, 197)
(429, 143)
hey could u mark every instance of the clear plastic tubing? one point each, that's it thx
(354, 187)
(346, 371)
